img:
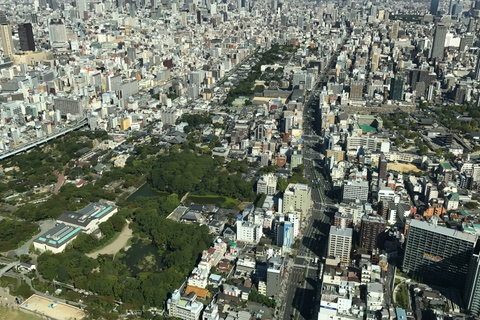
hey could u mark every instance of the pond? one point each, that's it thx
(141, 257)
(146, 191)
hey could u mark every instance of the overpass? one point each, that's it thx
(37, 142)
(8, 267)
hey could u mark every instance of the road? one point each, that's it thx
(304, 291)
(45, 225)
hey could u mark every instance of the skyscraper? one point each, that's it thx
(439, 41)
(25, 33)
(382, 167)
(58, 33)
(438, 254)
(6, 35)
(472, 290)
(434, 6)
(396, 88)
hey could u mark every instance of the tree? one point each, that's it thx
(259, 88)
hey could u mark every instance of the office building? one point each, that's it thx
(438, 254)
(375, 61)
(355, 191)
(397, 88)
(184, 306)
(297, 197)
(438, 45)
(356, 90)
(68, 106)
(58, 33)
(7, 41)
(57, 238)
(267, 184)
(25, 35)
(275, 275)
(82, 7)
(371, 228)
(340, 243)
(472, 289)
(382, 167)
(434, 6)
(284, 234)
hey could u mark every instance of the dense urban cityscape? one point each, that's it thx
(239, 159)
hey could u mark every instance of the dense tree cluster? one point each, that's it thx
(179, 244)
(255, 296)
(201, 175)
(37, 165)
(87, 243)
(13, 233)
(194, 120)
(70, 198)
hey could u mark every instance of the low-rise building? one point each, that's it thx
(184, 306)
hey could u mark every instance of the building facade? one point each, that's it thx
(438, 253)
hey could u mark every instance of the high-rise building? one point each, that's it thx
(397, 88)
(382, 167)
(58, 33)
(6, 35)
(394, 33)
(356, 90)
(375, 61)
(284, 234)
(297, 197)
(477, 68)
(25, 34)
(472, 289)
(66, 105)
(267, 184)
(275, 275)
(370, 229)
(438, 254)
(355, 191)
(434, 7)
(340, 243)
(82, 7)
(438, 45)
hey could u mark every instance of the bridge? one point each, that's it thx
(37, 142)
(8, 267)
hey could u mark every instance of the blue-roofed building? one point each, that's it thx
(401, 314)
(57, 238)
(88, 218)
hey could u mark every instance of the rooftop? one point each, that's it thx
(58, 235)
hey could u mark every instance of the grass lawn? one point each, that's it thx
(10, 314)
(5, 281)
(223, 202)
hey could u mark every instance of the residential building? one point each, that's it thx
(437, 253)
(7, 41)
(340, 243)
(267, 184)
(472, 289)
(382, 167)
(355, 191)
(68, 106)
(371, 228)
